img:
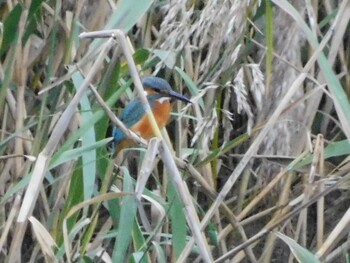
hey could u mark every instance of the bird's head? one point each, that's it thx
(155, 85)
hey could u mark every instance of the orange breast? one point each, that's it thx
(161, 112)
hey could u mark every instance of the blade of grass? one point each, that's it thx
(45, 155)
(76, 153)
(127, 14)
(75, 196)
(256, 143)
(88, 138)
(138, 242)
(332, 150)
(161, 258)
(11, 29)
(126, 220)
(6, 79)
(178, 221)
(185, 196)
(340, 98)
(77, 207)
(44, 238)
(302, 254)
(93, 120)
(269, 44)
(191, 85)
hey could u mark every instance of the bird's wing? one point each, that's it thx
(132, 113)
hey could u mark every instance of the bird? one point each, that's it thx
(159, 95)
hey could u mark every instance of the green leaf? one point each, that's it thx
(139, 242)
(34, 8)
(166, 56)
(76, 153)
(18, 187)
(301, 254)
(88, 138)
(136, 257)
(224, 148)
(34, 11)
(94, 119)
(140, 56)
(191, 85)
(13, 135)
(75, 196)
(328, 19)
(161, 258)
(86, 259)
(126, 221)
(178, 220)
(9, 37)
(340, 98)
(332, 150)
(11, 28)
(57, 159)
(213, 234)
(127, 14)
(269, 42)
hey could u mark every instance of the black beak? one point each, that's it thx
(178, 96)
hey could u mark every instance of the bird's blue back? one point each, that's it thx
(132, 114)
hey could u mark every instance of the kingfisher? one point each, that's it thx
(159, 95)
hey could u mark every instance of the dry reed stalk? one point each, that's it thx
(168, 160)
(41, 164)
(10, 220)
(253, 203)
(210, 52)
(130, 134)
(270, 241)
(288, 216)
(281, 139)
(257, 142)
(335, 46)
(95, 200)
(337, 233)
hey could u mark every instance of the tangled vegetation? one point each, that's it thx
(255, 169)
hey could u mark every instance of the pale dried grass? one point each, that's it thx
(260, 195)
